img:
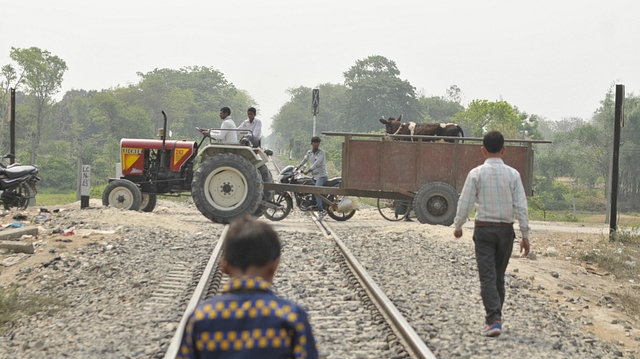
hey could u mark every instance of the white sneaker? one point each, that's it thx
(321, 215)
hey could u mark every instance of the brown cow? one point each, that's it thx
(396, 127)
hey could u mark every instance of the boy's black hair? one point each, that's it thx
(250, 242)
(226, 110)
(252, 109)
(315, 139)
(493, 141)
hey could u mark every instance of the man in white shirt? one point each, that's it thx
(227, 123)
(498, 195)
(253, 124)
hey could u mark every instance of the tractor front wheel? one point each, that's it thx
(122, 194)
(226, 186)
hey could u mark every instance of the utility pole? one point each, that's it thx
(79, 187)
(617, 125)
(315, 102)
(12, 125)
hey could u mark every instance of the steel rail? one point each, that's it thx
(413, 344)
(199, 292)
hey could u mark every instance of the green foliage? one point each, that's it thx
(375, 90)
(294, 121)
(437, 109)
(482, 116)
(53, 197)
(41, 74)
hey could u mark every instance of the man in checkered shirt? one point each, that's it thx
(497, 192)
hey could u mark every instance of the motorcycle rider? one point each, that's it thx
(318, 159)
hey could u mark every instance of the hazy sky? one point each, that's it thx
(552, 58)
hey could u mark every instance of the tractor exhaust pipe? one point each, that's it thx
(164, 138)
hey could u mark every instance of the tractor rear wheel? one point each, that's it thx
(436, 203)
(122, 194)
(267, 177)
(226, 186)
(148, 202)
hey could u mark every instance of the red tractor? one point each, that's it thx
(227, 183)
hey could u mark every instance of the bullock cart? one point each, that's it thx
(427, 173)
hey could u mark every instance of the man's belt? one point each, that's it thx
(492, 224)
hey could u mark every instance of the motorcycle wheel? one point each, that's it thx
(337, 215)
(277, 214)
(28, 196)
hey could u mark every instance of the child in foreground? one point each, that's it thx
(248, 320)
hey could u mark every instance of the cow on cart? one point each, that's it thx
(395, 126)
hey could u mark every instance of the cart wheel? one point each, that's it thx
(337, 215)
(122, 194)
(393, 209)
(281, 199)
(148, 202)
(435, 203)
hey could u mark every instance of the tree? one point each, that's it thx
(482, 116)
(191, 97)
(438, 109)
(294, 120)
(454, 94)
(8, 76)
(375, 91)
(528, 126)
(41, 73)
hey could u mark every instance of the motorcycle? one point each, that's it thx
(283, 202)
(17, 184)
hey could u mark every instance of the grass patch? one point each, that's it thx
(14, 303)
(629, 299)
(44, 199)
(620, 257)
(373, 202)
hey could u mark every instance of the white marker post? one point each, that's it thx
(85, 186)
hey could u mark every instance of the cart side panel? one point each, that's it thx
(470, 156)
(436, 163)
(362, 164)
(398, 169)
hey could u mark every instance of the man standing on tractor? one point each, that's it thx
(227, 123)
(253, 124)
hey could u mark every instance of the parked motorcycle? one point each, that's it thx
(17, 184)
(304, 201)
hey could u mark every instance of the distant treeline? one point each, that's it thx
(52, 133)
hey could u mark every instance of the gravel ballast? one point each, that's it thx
(110, 307)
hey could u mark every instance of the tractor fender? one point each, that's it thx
(255, 155)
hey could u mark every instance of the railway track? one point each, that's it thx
(350, 314)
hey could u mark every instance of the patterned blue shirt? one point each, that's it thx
(248, 321)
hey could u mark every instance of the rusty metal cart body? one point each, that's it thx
(424, 171)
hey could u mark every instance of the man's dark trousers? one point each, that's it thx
(493, 248)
